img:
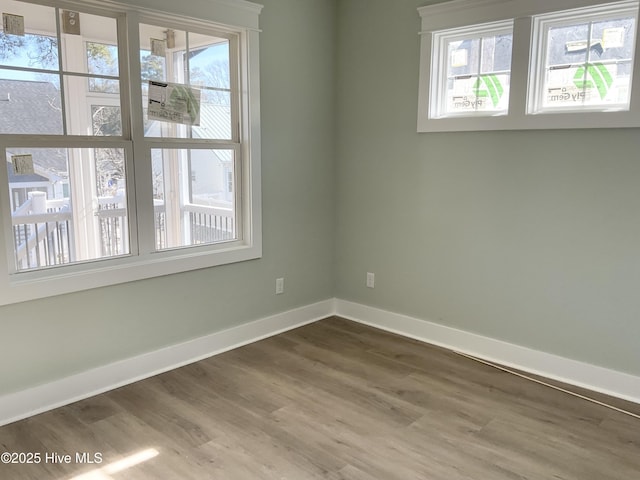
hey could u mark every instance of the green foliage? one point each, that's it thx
(10, 45)
(102, 59)
(152, 66)
(216, 75)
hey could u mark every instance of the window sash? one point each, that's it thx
(441, 40)
(542, 25)
(24, 142)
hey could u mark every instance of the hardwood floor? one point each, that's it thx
(332, 400)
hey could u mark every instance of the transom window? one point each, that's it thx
(126, 136)
(477, 62)
(585, 59)
(513, 64)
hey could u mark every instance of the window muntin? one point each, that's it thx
(586, 60)
(474, 69)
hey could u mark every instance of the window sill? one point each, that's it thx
(539, 121)
(25, 286)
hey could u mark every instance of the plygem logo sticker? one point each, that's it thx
(489, 86)
(594, 75)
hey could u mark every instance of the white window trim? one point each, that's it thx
(461, 13)
(235, 16)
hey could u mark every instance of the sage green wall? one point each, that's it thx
(44, 340)
(532, 237)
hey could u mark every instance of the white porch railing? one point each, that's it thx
(42, 233)
(209, 224)
(43, 229)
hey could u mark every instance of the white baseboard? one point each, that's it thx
(29, 402)
(592, 377)
(25, 403)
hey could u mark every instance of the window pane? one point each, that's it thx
(39, 52)
(100, 55)
(209, 70)
(209, 63)
(86, 118)
(56, 222)
(106, 120)
(589, 64)
(478, 74)
(30, 103)
(103, 85)
(157, 45)
(38, 48)
(199, 62)
(102, 59)
(496, 54)
(194, 196)
(153, 67)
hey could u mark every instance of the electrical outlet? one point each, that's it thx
(279, 286)
(371, 280)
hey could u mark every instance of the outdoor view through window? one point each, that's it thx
(478, 69)
(588, 61)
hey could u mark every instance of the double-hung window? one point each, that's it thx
(131, 144)
(516, 64)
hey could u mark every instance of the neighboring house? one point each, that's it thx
(214, 122)
(33, 107)
(207, 177)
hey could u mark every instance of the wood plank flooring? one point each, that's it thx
(332, 400)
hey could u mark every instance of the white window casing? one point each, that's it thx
(236, 20)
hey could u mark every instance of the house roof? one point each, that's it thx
(29, 107)
(215, 123)
(28, 178)
(32, 107)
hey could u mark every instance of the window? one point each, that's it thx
(511, 64)
(585, 59)
(475, 67)
(131, 141)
